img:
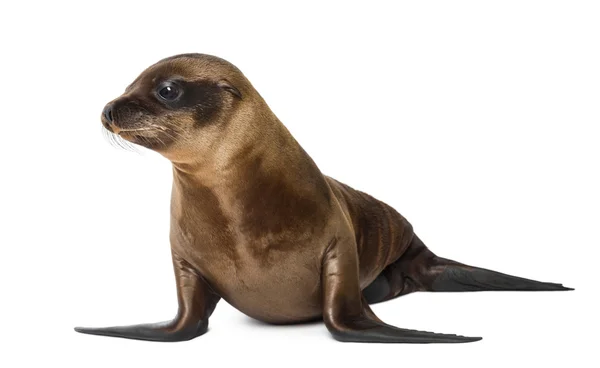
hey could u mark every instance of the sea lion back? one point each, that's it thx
(382, 234)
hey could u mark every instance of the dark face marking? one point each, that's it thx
(203, 98)
(156, 105)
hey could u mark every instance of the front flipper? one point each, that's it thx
(348, 316)
(168, 331)
(196, 303)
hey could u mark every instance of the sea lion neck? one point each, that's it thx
(257, 165)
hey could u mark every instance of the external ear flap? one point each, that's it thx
(230, 88)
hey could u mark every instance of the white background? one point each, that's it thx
(478, 121)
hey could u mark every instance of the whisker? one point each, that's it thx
(175, 130)
(118, 142)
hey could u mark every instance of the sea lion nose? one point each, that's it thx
(108, 112)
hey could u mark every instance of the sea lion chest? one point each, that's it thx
(273, 276)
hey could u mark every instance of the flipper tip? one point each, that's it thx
(558, 287)
(88, 331)
(463, 339)
(475, 338)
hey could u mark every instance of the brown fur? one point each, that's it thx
(254, 221)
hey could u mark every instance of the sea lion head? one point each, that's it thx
(179, 104)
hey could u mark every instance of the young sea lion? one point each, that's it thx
(254, 221)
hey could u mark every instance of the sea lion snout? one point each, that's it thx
(138, 120)
(125, 114)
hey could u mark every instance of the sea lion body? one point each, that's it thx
(287, 289)
(255, 222)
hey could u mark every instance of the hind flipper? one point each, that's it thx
(378, 291)
(440, 274)
(347, 314)
(421, 270)
(447, 275)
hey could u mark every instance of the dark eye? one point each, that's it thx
(169, 93)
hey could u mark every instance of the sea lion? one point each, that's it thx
(254, 221)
